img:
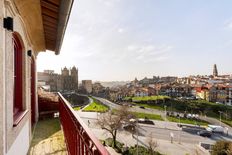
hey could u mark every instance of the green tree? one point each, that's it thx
(113, 121)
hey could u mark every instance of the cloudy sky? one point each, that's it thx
(112, 40)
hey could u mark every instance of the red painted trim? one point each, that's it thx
(33, 93)
(79, 139)
(18, 77)
(19, 117)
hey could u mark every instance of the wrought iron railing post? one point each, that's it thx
(78, 137)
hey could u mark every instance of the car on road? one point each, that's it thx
(129, 127)
(215, 129)
(204, 133)
(146, 121)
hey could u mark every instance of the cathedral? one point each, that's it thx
(69, 79)
(66, 81)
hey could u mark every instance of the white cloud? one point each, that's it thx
(120, 30)
(228, 43)
(99, 41)
(148, 53)
(109, 3)
(228, 24)
(132, 47)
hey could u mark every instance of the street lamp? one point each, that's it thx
(179, 131)
(137, 128)
(220, 117)
(165, 110)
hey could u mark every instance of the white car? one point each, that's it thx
(215, 128)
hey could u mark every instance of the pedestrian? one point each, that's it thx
(88, 123)
(227, 131)
(172, 136)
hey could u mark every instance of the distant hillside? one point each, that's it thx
(113, 83)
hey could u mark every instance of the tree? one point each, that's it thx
(222, 148)
(152, 144)
(113, 120)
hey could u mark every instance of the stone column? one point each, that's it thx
(2, 80)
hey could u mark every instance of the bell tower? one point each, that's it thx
(215, 71)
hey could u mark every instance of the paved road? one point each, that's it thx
(108, 103)
(180, 135)
(134, 108)
(155, 111)
(216, 122)
(161, 130)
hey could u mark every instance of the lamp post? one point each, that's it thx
(137, 143)
(220, 112)
(179, 131)
(165, 110)
(137, 128)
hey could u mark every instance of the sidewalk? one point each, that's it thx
(164, 146)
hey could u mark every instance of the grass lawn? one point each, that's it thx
(143, 115)
(77, 108)
(227, 122)
(149, 98)
(152, 106)
(149, 116)
(96, 106)
(127, 98)
(187, 121)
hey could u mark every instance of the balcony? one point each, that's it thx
(48, 138)
(79, 139)
(74, 137)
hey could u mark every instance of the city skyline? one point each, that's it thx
(119, 40)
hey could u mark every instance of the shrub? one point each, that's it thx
(141, 150)
(222, 148)
(109, 142)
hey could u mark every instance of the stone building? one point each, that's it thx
(66, 81)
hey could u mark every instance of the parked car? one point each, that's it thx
(205, 133)
(142, 107)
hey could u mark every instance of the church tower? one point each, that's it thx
(65, 72)
(74, 76)
(215, 71)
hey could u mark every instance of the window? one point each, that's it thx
(18, 78)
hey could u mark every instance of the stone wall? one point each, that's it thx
(10, 132)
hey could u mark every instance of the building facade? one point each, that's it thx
(24, 32)
(66, 81)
